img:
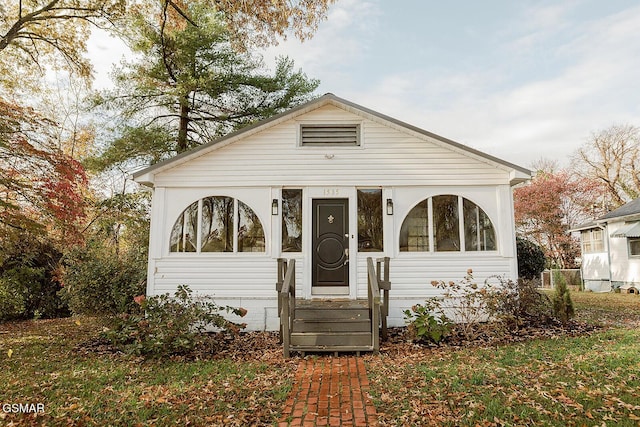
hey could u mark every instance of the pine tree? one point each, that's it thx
(188, 85)
(562, 304)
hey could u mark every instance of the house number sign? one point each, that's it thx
(331, 192)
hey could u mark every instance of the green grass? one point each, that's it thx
(588, 380)
(94, 389)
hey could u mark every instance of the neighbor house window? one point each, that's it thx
(592, 241)
(634, 246)
(448, 231)
(370, 235)
(291, 220)
(226, 225)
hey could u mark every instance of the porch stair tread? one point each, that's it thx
(320, 340)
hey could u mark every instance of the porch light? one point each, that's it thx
(274, 207)
(389, 207)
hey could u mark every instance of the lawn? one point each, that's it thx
(590, 380)
(89, 389)
(560, 381)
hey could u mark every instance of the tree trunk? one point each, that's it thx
(184, 124)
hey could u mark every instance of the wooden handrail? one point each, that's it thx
(286, 287)
(374, 304)
(382, 270)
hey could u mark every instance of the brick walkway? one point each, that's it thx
(330, 391)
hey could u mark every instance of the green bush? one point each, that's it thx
(562, 303)
(531, 260)
(166, 326)
(96, 281)
(425, 326)
(28, 280)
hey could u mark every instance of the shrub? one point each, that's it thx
(514, 304)
(28, 280)
(518, 304)
(165, 326)
(562, 304)
(425, 326)
(467, 302)
(97, 281)
(531, 260)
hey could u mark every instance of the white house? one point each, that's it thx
(611, 250)
(328, 183)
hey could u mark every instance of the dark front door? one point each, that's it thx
(330, 243)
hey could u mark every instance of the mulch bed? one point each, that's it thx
(265, 346)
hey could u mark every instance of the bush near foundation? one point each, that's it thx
(167, 326)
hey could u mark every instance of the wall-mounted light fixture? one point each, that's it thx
(274, 207)
(389, 207)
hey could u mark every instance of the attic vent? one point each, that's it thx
(330, 134)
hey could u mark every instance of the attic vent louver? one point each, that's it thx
(330, 134)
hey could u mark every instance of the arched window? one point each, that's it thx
(217, 224)
(437, 221)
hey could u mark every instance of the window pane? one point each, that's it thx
(291, 220)
(414, 233)
(250, 232)
(185, 231)
(598, 243)
(445, 223)
(479, 234)
(370, 227)
(634, 247)
(217, 224)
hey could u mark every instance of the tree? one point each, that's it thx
(262, 22)
(546, 208)
(40, 186)
(188, 86)
(612, 158)
(35, 32)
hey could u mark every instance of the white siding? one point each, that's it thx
(386, 157)
(624, 268)
(410, 167)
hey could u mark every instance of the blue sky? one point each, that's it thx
(518, 80)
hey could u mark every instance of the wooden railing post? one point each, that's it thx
(382, 273)
(374, 305)
(287, 303)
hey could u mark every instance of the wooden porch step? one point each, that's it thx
(317, 340)
(332, 325)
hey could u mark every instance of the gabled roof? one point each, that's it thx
(628, 209)
(145, 176)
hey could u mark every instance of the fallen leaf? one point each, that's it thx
(10, 353)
